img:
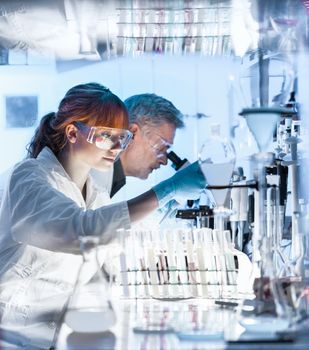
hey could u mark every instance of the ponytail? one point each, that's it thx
(46, 135)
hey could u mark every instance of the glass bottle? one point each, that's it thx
(89, 308)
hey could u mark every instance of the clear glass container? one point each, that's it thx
(217, 161)
(89, 308)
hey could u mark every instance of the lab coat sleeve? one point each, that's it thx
(43, 216)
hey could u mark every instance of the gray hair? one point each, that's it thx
(152, 110)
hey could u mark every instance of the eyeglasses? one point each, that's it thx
(105, 138)
(157, 142)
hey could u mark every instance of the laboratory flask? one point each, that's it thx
(217, 161)
(89, 308)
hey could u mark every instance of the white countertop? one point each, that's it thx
(137, 329)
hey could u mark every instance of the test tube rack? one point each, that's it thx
(179, 264)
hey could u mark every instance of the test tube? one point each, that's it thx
(243, 215)
(181, 263)
(172, 267)
(220, 259)
(153, 274)
(211, 265)
(144, 291)
(163, 270)
(230, 263)
(136, 279)
(234, 217)
(144, 276)
(200, 250)
(191, 265)
(124, 274)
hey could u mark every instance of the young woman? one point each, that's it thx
(51, 201)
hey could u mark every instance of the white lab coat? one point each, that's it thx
(41, 217)
(103, 180)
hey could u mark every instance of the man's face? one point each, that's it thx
(148, 149)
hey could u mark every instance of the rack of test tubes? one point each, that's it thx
(162, 28)
(180, 264)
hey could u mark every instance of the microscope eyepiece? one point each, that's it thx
(177, 162)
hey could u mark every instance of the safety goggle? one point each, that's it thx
(105, 138)
(157, 143)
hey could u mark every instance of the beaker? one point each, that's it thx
(89, 308)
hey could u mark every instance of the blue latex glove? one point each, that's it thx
(185, 184)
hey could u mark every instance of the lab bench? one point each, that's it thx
(193, 324)
(152, 324)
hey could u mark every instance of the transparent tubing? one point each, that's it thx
(296, 248)
(282, 270)
(281, 264)
(259, 238)
(220, 216)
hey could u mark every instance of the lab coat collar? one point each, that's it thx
(51, 162)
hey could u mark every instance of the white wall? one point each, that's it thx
(18, 80)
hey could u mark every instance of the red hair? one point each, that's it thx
(92, 104)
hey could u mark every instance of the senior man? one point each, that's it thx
(153, 122)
